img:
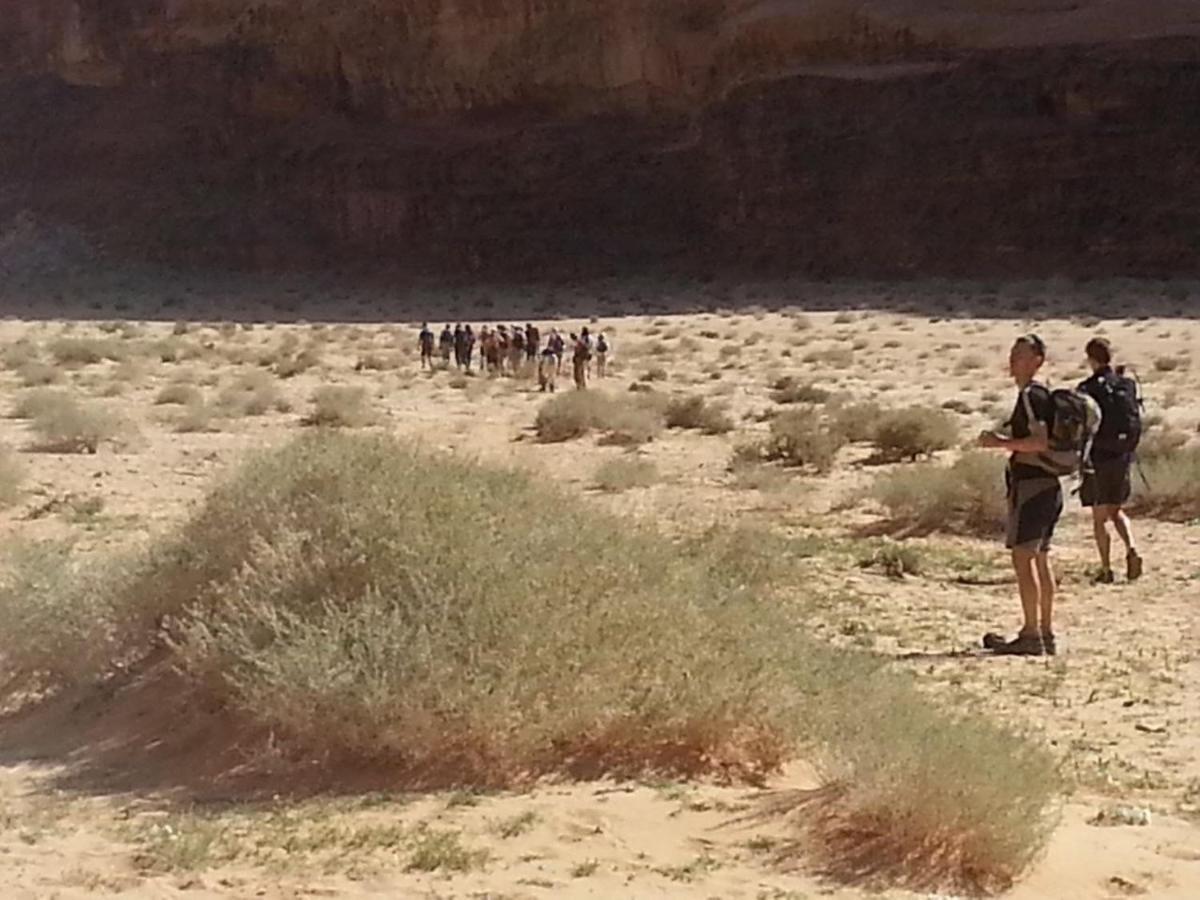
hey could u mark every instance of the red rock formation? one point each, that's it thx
(538, 135)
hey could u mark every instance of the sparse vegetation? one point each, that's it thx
(967, 496)
(36, 373)
(253, 394)
(1171, 486)
(179, 395)
(12, 474)
(577, 413)
(84, 351)
(913, 432)
(803, 437)
(623, 474)
(338, 406)
(788, 390)
(62, 424)
(695, 412)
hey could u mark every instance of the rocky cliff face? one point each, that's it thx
(550, 135)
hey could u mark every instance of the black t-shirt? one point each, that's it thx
(1094, 387)
(1043, 412)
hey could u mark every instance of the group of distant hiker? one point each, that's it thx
(1093, 429)
(512, 351)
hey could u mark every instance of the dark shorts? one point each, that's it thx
(1034, 506)
(1108, 484)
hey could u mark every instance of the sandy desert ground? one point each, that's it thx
(1120, 706)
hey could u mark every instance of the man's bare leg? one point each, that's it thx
(1100, 517)
(1047, 587)
(1124, 528)
(1026, 568)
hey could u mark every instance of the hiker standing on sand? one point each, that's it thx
(557, 347)
(425, 343)
(459, 345)
(587, 340)
(601, 356)
(468, 346)
(447, 345)
(547, 370)
(516, 356)
(1035, 502)
(579, 360)
(1107, 485)
(533, 341)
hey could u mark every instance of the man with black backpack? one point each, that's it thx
(1106, 482)
(1034, 492)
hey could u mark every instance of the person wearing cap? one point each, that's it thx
(1034, 499)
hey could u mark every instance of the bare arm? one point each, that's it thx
(1035, 444)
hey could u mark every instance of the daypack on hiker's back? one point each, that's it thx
(1120, 401)
(1077, 418)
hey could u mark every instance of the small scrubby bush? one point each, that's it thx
(965, 497)
(179, 395)
(341, 407)
(697, 413)
(1169, 484)
(12, 474)
(291, 366)
(803, 437)
(252, 394)
(84, 351)
(65, 426)
(35, 374)
(622, 474)
(32, 402)
(788, 390)
(626, 420)
(913, 432)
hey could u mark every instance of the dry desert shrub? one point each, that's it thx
(85, 351)
(798, 437)
(36, 374)
(63, 425)
(18, 353)
(33, 401)
(913, 432)
(252, 394)
(179, 395)
(328, 593)
(624, 420)
(694, 412)
(1167, 485)
(966, 497)
(291, 366)
(340, 406)
(12, 475)
(788, 390)
(622, 474)
(196, 418)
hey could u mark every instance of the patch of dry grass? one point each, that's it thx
(1169, 484)
(626, 420)
(966, 497)
(694, 412)
(300, 597)
(623, 474)
(63, 425)
(339, 406)
(12, 476)
(179, 395)
(913, 432)
(253, 394)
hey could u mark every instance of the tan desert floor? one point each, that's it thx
(1121, 706)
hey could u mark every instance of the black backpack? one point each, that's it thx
(1120, 400)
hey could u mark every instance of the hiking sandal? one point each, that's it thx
(1103, 576)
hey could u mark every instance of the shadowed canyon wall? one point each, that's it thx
(573, 136)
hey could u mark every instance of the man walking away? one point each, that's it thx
(1106, 481)
(586, 337)
(517, 354)
(601, 356)
(447, 345)
(460, 340)
(468, 347)
(533, 341)
(1035, 502)
(579, 361)
(547, 370)
(425, 343)
(557, 347)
